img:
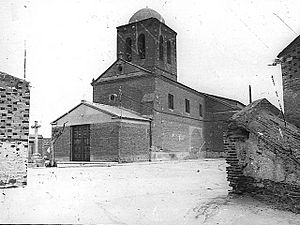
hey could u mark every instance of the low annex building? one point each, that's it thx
(185, 123)
(97, 132)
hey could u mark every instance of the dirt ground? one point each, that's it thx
(181, 192)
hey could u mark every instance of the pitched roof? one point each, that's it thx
(7, 78)
(124, 61)
(118, 112)
(225, 101)
(287, 48)
(115, 112)
(232, 103)
(263, 120)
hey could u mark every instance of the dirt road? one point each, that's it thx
(185, 192)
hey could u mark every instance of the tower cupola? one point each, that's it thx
(148, 42)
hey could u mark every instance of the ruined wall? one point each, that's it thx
(14, 130)
(263, 156)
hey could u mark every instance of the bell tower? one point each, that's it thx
(148, 42)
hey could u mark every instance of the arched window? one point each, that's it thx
(161, 48)
(128, 49)
(169, 52)
(142, 46)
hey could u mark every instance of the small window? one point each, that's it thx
(200, 110)
(142, 46)
(169, 52)
(120, 68)
(128, 49)
(171, 101)
(161, 48)
(187, 105)
(112, 97)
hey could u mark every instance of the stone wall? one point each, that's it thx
(263, 153)
(14, 130)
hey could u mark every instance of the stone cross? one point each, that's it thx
(36, 126)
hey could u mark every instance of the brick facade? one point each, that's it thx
(134, 142)
(133, 93)
(144, 84)
(290, 66)
(153, 29)
(217, 116)
(62, 146)
(113, 141)
(104, 142)
(14, 130)
(97, 132)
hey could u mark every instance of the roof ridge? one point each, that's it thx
(120, 59)
(135, 65)
(202, 93)
(116, 107)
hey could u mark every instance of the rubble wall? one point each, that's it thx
(263, 153)
(14, 130)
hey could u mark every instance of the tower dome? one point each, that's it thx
(146, 13)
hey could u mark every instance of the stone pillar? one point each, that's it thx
(36, 157)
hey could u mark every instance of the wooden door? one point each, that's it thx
(81, 143)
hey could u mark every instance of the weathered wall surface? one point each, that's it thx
(14, 130)
(264, 155)
(175, 137)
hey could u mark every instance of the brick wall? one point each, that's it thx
(62, 146)
(174, 130)
(134, 142)
(136, 93)
(14, 130)
(217, 116)
(152, 29)
(104, 141)
(176, 134)
(290, 67)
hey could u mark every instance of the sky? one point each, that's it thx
(222, 46)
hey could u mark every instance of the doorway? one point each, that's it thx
(80, 143)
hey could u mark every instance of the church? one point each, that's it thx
(140, 112)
